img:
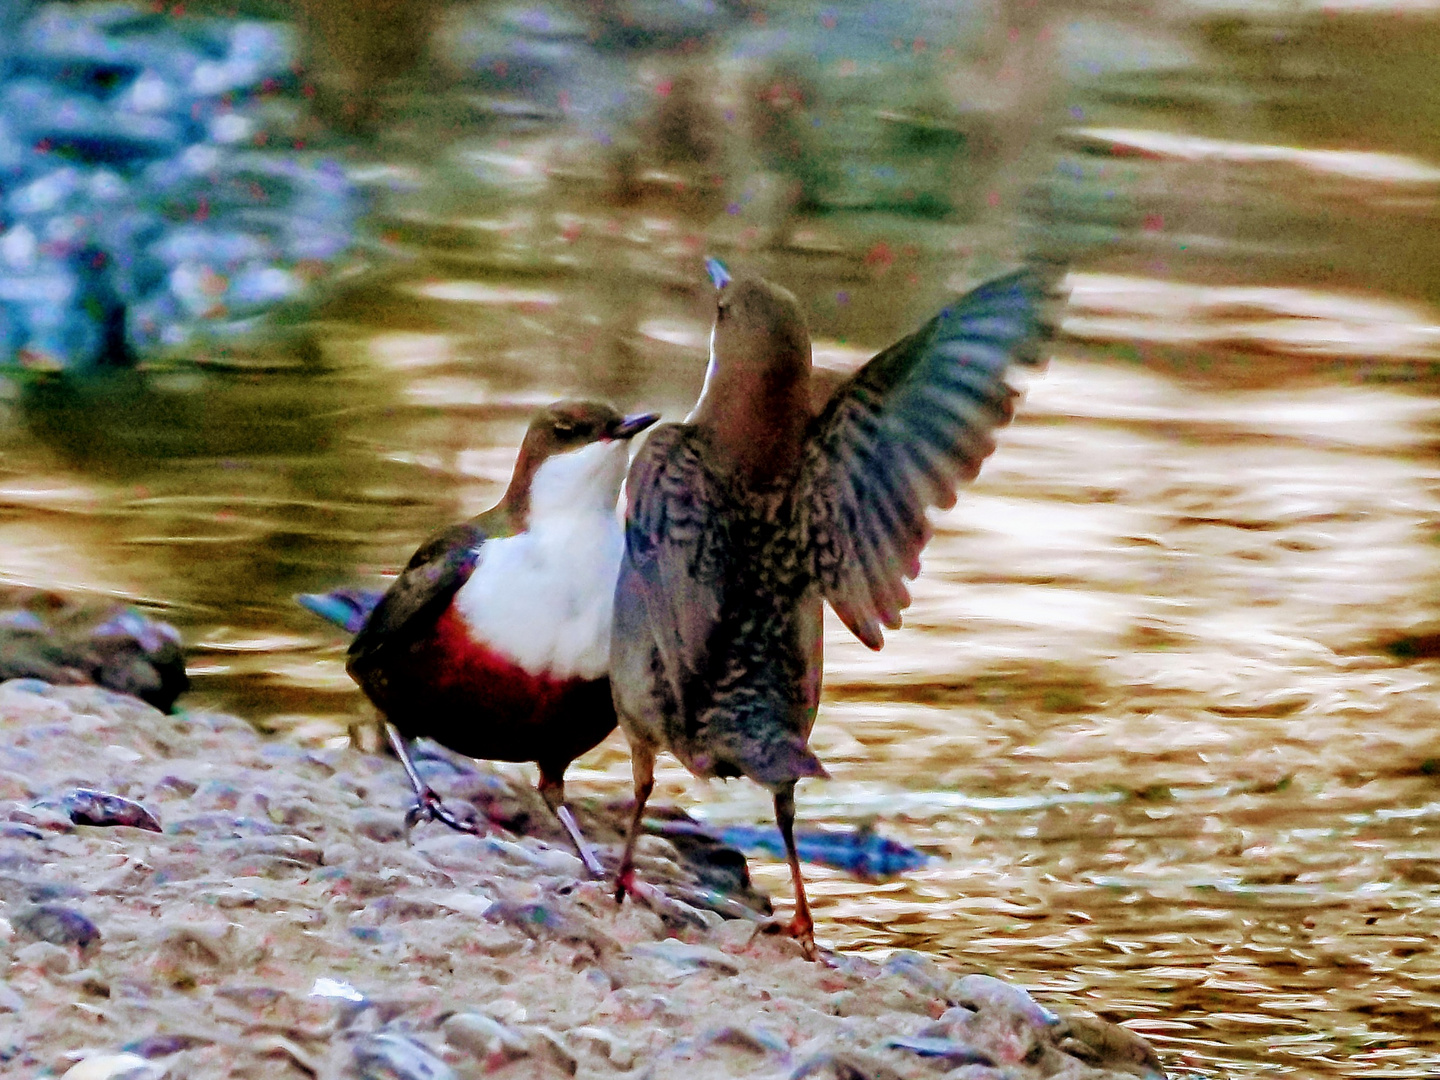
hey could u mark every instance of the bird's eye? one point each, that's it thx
(565, 428)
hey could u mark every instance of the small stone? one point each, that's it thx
(733, 935)
(113, 1067)
(934, 1047)
(620, 1052)
(919, 970)
(754, 1039)
(484, 1038)
(1104, 1045)
(545, 1043)
(86, 806)
(687, 958)
(57, 924)
(382, 826)
(983, 992)
(56, 959)
(388, 1056)
(977, 1072)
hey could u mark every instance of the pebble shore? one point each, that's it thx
(280, 925)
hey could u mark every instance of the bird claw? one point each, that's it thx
(627, 884)
(429, 807)
(802, 930)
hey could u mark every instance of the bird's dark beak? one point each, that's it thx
(718, 274)
(630, 426)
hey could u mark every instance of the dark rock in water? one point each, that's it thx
(1110, 1046)
(89, 807)
(124, 650)
(57, 924)
(152, 196)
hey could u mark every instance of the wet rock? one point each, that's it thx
(122, 1066)
(184, 950)
(44, 816)
(57, 924)
(87, 806)
(1107, 1046)
(687, 959)
(379, 825)
(843, 1065)
(389, 1056)
(55, 960)
(142, 213)
(949, 1050)
(754, 1038)
(982, 992)
(918, 970)
(120, 648)
(486, 1039)
(548, 1045)
(621, 1053)
(158, 1046)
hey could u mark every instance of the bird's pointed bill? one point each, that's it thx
(631, 426)
(719, 275)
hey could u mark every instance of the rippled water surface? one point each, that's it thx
(1164, 708)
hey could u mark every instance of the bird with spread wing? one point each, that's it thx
(743, 520)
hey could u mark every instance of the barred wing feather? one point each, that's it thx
(675, 550)
(901, 435)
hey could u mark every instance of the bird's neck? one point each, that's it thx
(755, 420)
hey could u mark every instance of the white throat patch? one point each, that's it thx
(545, 597)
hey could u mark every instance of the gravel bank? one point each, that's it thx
(281, 926)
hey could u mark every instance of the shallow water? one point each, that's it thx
(1148, 710)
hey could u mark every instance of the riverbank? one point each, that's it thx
(280, 925)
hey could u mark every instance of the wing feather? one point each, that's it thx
(418, 597)
(901, 435)
(676, 551)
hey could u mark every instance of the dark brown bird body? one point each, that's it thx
(741, 521)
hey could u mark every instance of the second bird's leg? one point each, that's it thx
(552, 790)
(428, 806)
(642, 763)
(802, 927)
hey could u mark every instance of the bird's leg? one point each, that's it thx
(642, 763)
(802, 927)
(552, 790)
(428, 806)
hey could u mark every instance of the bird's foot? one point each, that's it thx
(429, 807)
(627, 884)
(802, 930)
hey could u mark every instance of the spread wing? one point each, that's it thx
(675, 551)
(418, 596)
(901, 435)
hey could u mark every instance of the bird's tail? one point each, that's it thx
(348, 609)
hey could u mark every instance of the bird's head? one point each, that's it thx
(573, 455)
(758, 329)
(756, 399)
